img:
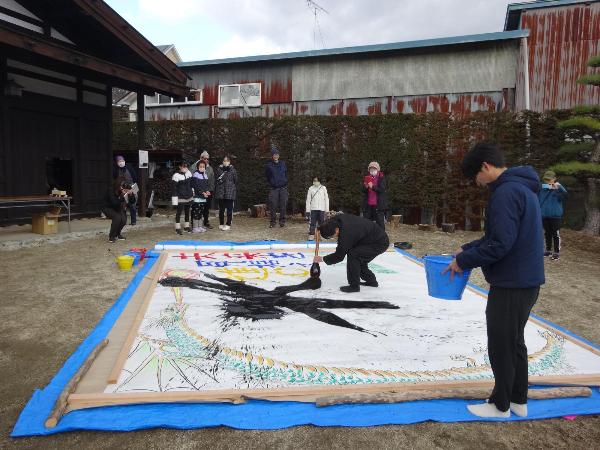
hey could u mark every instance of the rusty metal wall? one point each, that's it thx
(561, 41)
(275, 79)
(474, 77)
(488, 67)
(459, 104)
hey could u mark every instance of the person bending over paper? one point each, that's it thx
(360, 241)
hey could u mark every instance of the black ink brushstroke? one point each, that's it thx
(241, 300)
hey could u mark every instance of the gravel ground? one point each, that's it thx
(53, 295)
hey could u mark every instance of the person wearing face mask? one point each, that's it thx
(114, 208)
(374, 197)
(201, 196)
(317, 206)
(226, 190)
(181, 197)
(210, 173)
(128, 174)
(276, 174)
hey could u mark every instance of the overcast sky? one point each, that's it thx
(212, 29)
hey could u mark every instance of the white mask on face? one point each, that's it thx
(225, 163)
(316, 184)
(121, 164)
(373, 172)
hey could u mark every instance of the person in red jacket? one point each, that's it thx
(374, 198)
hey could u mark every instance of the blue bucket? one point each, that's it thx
(440, 286)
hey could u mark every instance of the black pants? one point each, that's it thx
(358, 259)
(506, 315)
(376, 215)
(118, 221)
(206, 211)
(132, 211)
(225, 204)
(552, 232)
(278, 202)
(185, 208)
(316, 217)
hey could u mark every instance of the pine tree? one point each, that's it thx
(580, 155)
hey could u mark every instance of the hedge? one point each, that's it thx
(419, 154)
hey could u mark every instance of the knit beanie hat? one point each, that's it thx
(375, 165)
(204, 154)
(119, 158)
(274, 151)
(549, 175)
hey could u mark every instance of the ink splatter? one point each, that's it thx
(241, 300)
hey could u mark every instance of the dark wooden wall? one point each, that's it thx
(36, 128)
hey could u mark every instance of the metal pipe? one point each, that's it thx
(525, 71)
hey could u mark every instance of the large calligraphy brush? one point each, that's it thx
(315, 269)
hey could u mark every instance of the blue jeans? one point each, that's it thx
(315, 217)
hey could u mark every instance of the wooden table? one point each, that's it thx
(26, 201)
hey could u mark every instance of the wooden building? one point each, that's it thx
(59, 60)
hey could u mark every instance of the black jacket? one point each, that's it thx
(124, 171)
(199, 185)
(381, 195)
(115, 201)
(181, 185)
(355, 231)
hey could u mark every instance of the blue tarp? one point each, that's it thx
(261, 415)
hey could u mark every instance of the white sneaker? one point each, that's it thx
(488, 410)
(226, 227)
(519, 410)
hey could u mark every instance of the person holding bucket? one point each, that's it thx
(511, 255)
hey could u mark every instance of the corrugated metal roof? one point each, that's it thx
(513, 11)
(164, 48)
(455, 40)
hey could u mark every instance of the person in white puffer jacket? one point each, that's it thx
(181, 196)
(317, 206)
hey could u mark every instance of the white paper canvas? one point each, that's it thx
(213, 336)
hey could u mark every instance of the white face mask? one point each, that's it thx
(316, 183)
(225, 163)
(121, 164)
(373, 172)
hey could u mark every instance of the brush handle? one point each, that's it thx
(317, 240)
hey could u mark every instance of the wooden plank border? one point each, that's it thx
(133, 331)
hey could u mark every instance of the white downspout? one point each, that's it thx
(526, 72)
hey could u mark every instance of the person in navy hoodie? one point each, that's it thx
(511, 255)
(276, 174)
(551, 203)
